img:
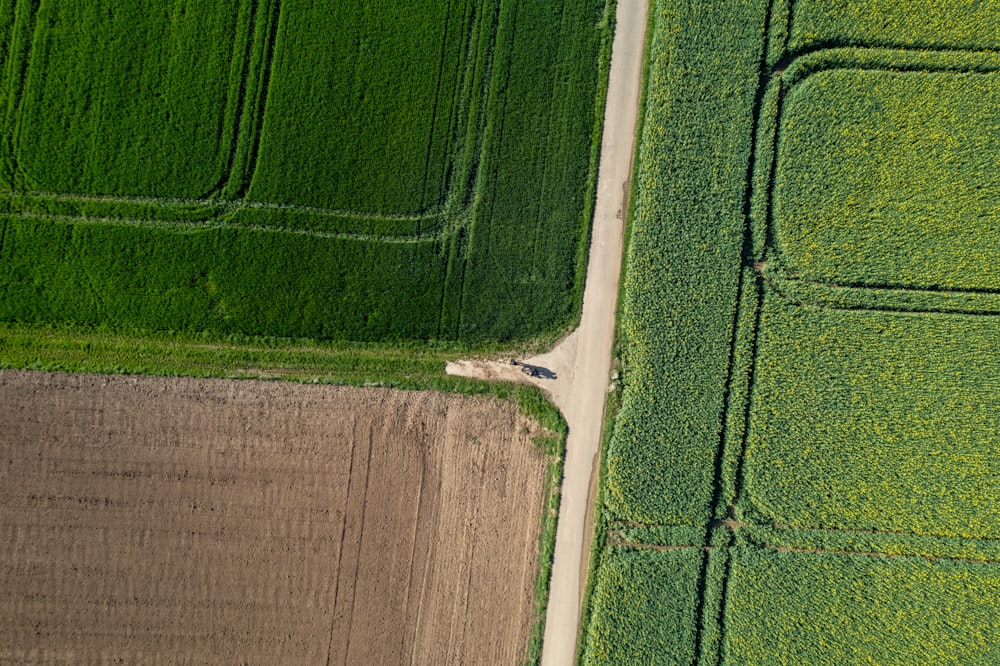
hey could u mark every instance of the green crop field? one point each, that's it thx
(888, 178)
(645, 607)
(832, 609)
(876, 420)
(807, 438)
(291, 168)
(918, 24)
(89, 111)
(391, 95)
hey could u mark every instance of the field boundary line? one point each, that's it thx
(777, 286)
(877, 532)
(184, 226)
(725, 444)
(224, 204)
(875, 554)
(361, 533)
(615, 541)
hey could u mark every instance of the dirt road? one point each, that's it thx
(582, 362)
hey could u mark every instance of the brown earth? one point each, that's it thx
(208, 521)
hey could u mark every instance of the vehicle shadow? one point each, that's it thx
(535, 371)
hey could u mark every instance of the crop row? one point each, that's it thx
(683, 259)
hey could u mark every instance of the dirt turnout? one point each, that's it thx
(166, 520)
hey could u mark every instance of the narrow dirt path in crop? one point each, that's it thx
(576, 373)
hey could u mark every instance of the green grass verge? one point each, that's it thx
(534, 405)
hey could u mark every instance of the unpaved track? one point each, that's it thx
(152, 520)
(582, 362)
(584, 409)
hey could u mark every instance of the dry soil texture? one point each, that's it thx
(183, 520)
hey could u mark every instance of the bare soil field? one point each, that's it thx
(209, 521)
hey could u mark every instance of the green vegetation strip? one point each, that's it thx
(681, 288)
(644, 607)
(888, 178)
(875, 420)
(177, 354)
(829, 609)
(922, 24)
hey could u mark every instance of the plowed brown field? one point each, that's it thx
(178, 520)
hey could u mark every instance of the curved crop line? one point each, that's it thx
(240, 98)
(832, 45)
(446, 227)
(852, 60)
(183, 226)
(256, 130)
(225, 205)
(444, 219)
(780, 284)
(815, 60)
(18, 66)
